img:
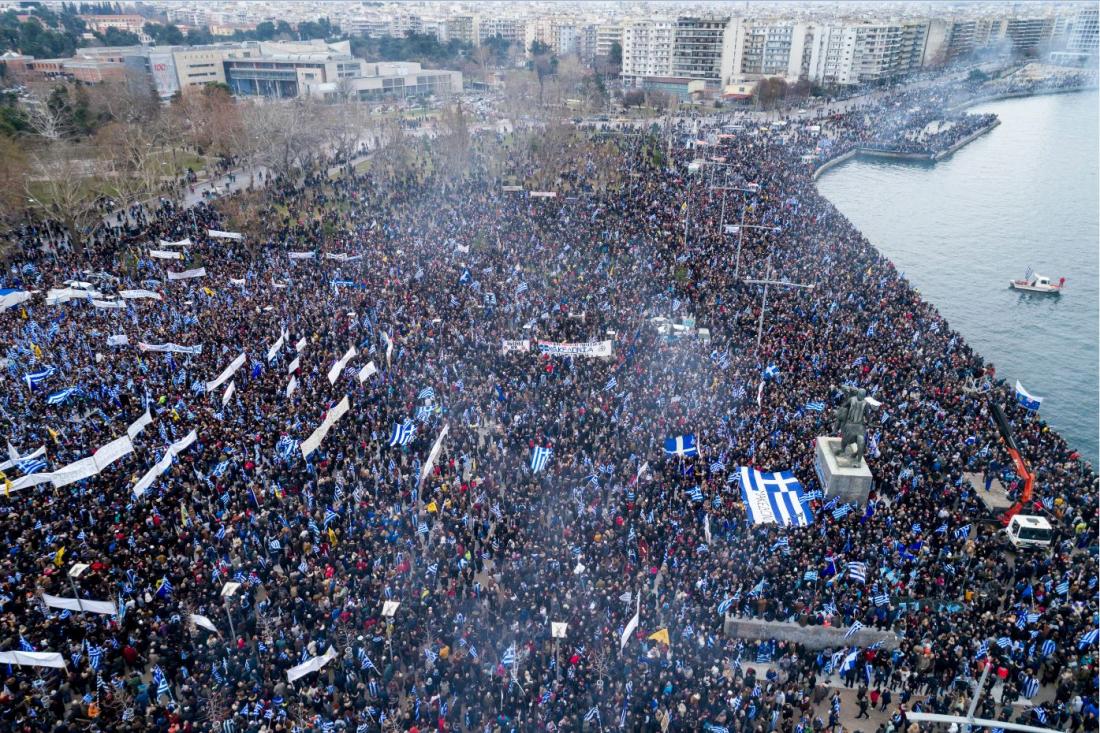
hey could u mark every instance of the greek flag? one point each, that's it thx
(857, 571)
(983, 650)
(426, 394)
(521, 288)
(58, 398)
(1030, 687)
(725, 605)
(164, 588)
(842, 511)
(1027, 400)
(1048, 647)
(855, 627)
(771, 371)
(815, 407)
(1004, 642)
(593, 714)
(36, 378)
(882, 600)
(509, 657)
(1062, 588)
(810, 576)
(330, 517)
(962, 532)
(423, 413)
(286, 447)
(717, 466)
(1040, 714)
(695, 493)
(161, 682)
(403, 434)
(28, 466)
(774, 498)
(423, 528)
(539, 458)
(1088, 639)
(611, 384)
(681, 445)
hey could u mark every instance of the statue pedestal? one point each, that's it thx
(838, 478)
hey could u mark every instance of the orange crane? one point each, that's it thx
(1021, 466)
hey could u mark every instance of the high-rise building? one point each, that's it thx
(647, 50)
(1084, 35)
(510, 29)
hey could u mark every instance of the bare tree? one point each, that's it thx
(60, 188)
(47, 120)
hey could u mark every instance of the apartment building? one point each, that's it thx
(461, 28)
(647, 50)
(1084, 34)
(512, 30)
(607, 35)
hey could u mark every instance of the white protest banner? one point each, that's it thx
(17, 458)
(294, 365)
(310, 665)
(229, 372)
(291, 386)
(204, 623)
(140, 424)
(119, 340)
(75, 471)
(228, 392)
(338, 367)
(341, 257)
(56, 296)
(631, 625)
(151, 475)
(218, 234)
(463, 248)
(510, 345)
(544, 194)
(366, 372)
(276, 346)
(591, 348)
(301, 255)
(311, 443)
(434, 454)
(13, 298)
(187, 274)
(164, 463)
(183, 443)
(185, 242)
(34, 659)
(108, 454)
(107, 608)
(238, 281)
(108, 304)
(26, 482)
(511, 189)
(165, 254)
(389, 347)
(139, 293)
(174, 348)
(301, 344)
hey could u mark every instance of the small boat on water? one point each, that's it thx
(1033, 282)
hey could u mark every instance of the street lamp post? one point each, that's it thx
(75, 572)
(228, 590)
(769, 280)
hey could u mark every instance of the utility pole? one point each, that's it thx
(769, 280)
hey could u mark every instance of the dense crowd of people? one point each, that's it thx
(487, 541)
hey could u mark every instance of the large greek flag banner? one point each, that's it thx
(773, 498)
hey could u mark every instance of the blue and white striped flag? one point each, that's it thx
(857, 571)
(426, 394)
(773, 498)
(695, 493)
(36, 378)
(539, 458)
(58, 398)
(815, 407)
(851, 632)
(403, 434)
(509, 656)
(611, 384)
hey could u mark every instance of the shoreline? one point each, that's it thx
(943, 154)
(1083, 456)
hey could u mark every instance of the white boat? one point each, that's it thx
(1037, 283)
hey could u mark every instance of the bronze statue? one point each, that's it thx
(849, 420)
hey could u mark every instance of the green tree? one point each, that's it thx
(118, 37)
(164, 35)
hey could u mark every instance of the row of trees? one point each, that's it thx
(61, 170)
